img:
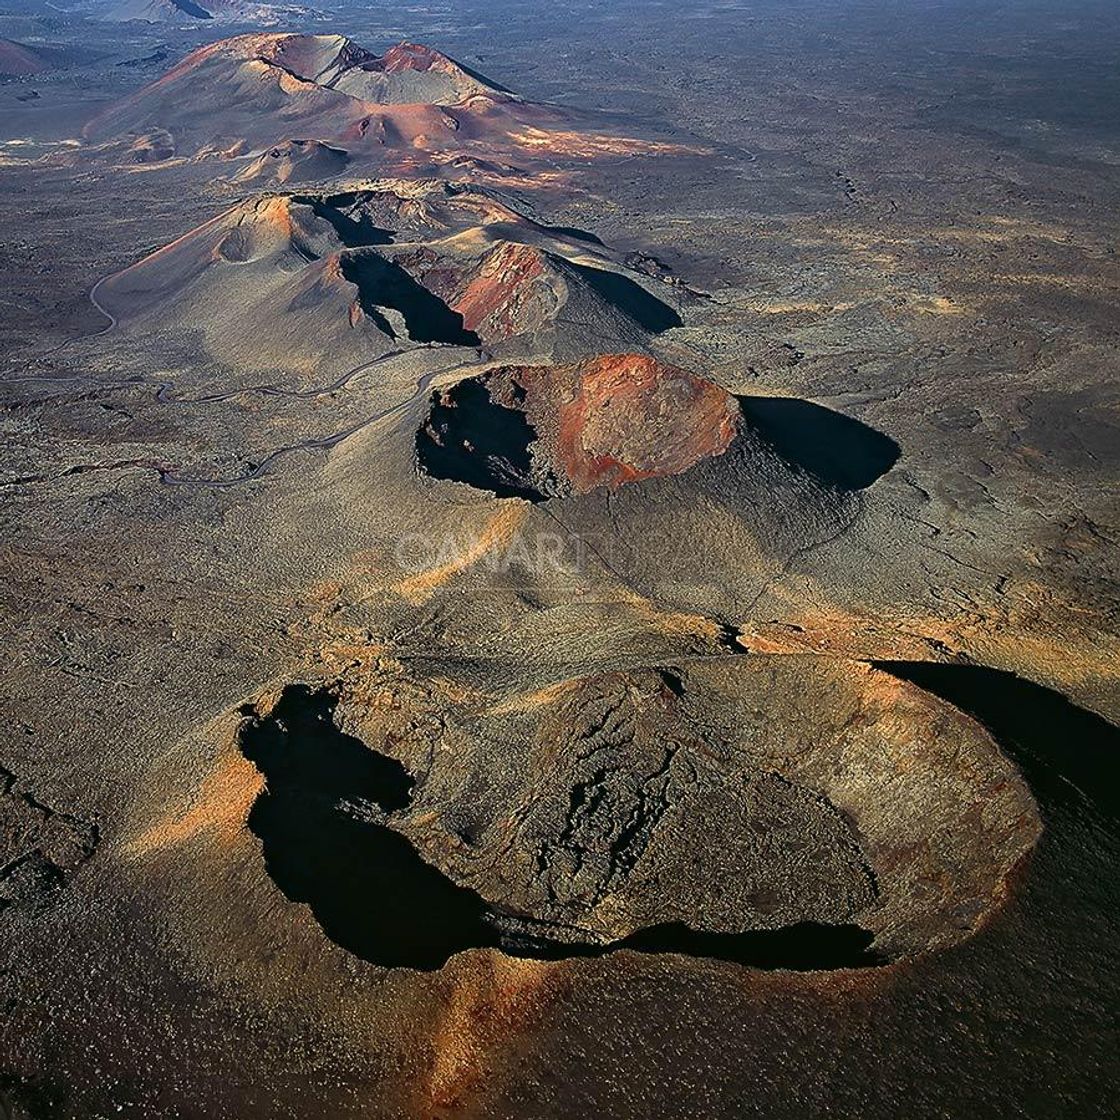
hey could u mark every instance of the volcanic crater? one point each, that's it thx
(348, 275)
(544, 431)
(690, 809)
(324, 822)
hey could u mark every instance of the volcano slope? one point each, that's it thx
(494, 734)
(322, 282)
(498, 775)
(410, 109)
(296, 161)
(644, 459)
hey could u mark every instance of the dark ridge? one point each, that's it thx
(192, 9)
(843, 453)
(374, 895)
(382, 283)
(574, 234)
(629, 297)
(354, 233)
(1069, 757)
(470, 437)
(160, 54)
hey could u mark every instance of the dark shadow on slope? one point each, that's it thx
(632, 299)
(365, 884)
(374, 895)
(1069, 757)
(354, 233)
(469, 437)
(472, 73)
(384, 284)
(574, 234)
(305, 716)
(843, 453)
(192, 9)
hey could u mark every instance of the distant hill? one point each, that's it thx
(185, 11)
(22, 60)
(17, 60)
(344, 277)
(251, 90)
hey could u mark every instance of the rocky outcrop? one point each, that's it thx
(40, 846)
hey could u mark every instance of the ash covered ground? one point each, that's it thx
(559, 561)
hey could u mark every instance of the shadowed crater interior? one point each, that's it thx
(547, 431)
(322, 820)
(354, 228)
(470, 437)
(384, 284)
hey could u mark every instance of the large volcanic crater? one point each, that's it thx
(774, 811)
(545, 431)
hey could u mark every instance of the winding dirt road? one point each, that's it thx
(323, 443)
(172, 476)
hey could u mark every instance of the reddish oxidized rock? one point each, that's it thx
(569, 429)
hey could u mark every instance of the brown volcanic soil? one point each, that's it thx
(298, 282)
(923, 471)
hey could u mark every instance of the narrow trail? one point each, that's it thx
(323, 443)
(92, 297)
(166, 387)
(173, 476)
